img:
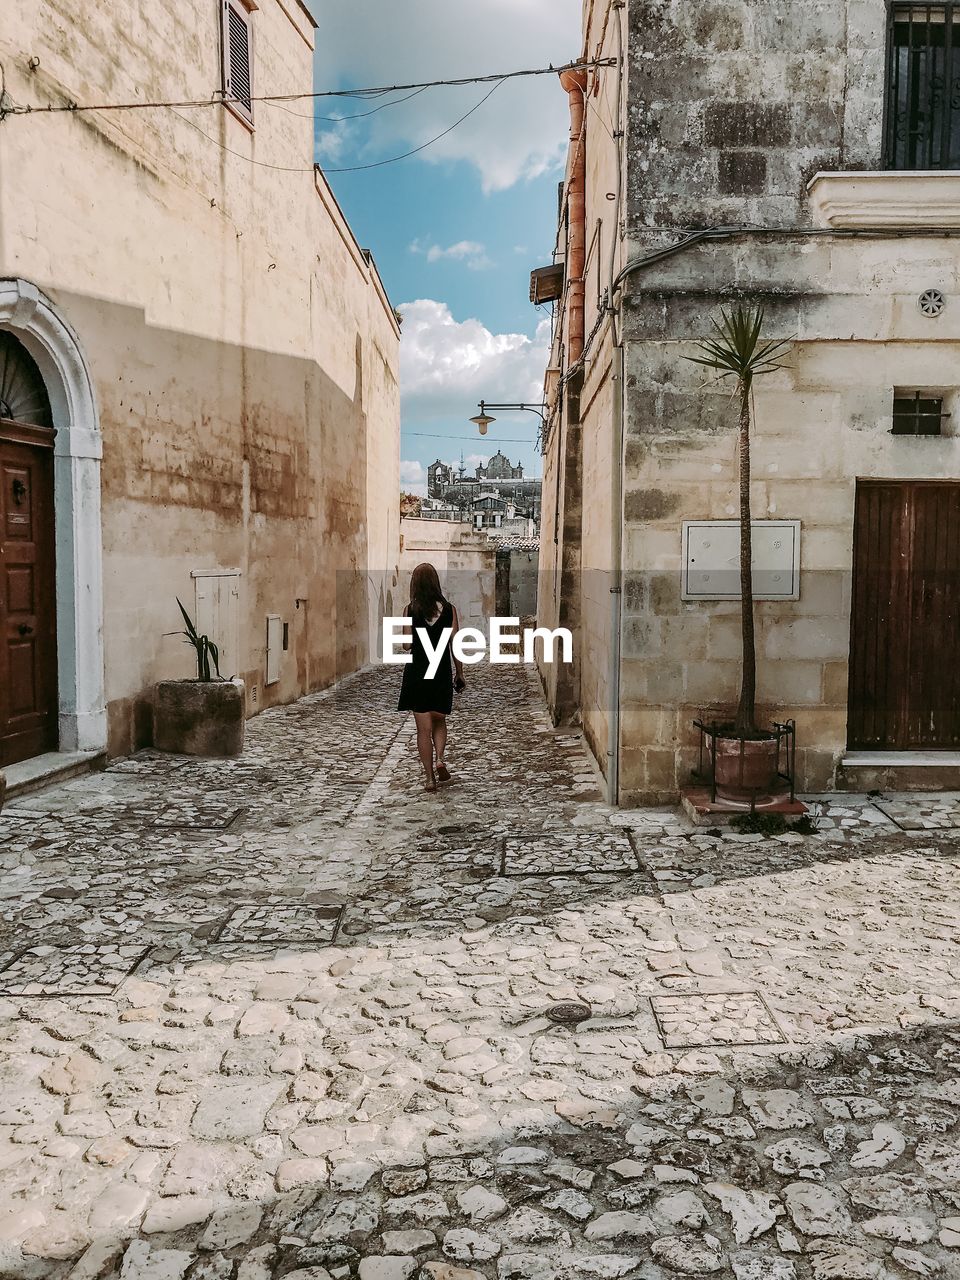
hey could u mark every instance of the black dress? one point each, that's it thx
(417, 693)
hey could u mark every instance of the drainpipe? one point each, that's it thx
(618, 427)
(575, 83)
(616, 583)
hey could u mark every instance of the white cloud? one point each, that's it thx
(383, 42)
(470, 252)
(447, 365)
(413, 478)
(412, 473)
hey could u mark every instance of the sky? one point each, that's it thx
(457, 228)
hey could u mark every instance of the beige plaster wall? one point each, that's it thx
(243, 350)
(465, 560)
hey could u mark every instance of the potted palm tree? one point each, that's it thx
(745, 756)
(203, 716)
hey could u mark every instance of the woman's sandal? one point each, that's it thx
(443, 773)
(430, 784)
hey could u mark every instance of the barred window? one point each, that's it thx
(923, 86)
(917, 413)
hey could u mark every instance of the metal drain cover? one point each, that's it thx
(570, 1012)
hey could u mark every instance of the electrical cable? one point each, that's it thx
(263, 164)
(426, 435)
(218, 99)
(378, 164)
(362, 115)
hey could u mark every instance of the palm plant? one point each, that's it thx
(737, 352)
(204, 647)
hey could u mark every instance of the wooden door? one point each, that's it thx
(28, 641)
(904, 689)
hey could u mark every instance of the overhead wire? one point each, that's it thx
(361, 115)
(379, 90)
(378, 164)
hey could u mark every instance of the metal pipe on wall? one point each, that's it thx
(575, 84)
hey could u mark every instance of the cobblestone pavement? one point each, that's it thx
(289, 1016)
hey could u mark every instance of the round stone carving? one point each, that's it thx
(931, 302)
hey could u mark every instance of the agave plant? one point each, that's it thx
(737, 352)
(206, 650)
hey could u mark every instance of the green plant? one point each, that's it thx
(737, 352)
(204, 647)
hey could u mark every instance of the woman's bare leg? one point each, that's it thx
(424, 720)
(440, 744)
(439, 733)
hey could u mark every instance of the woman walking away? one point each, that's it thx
(430, 700)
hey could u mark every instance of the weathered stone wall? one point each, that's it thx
(735, 104)
(733, 107)
(820, 424)
(244, 354)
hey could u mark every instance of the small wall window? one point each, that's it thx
(918, 413)
(237, 48)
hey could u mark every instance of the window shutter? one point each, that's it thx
(237, 59)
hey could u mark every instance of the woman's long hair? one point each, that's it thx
(425, 593)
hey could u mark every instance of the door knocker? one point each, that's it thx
(19, 492)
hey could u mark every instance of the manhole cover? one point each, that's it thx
(570, 1012)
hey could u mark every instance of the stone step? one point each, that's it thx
(864, 771)
(49, 769)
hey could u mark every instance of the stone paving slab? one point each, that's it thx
(922, 812)
(79, 970)
(715, 1020)
(563, 853)
(335, 1060)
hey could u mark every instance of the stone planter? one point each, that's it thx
(746, 768)
(199, 717)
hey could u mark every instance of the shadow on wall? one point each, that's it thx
(221, 456)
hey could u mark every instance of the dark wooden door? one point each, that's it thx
(28, 641)
(904, 691)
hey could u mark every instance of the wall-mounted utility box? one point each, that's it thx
(274, 647)
(711, 560)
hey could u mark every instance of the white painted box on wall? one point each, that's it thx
(711, 560)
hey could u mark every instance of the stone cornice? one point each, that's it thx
(885, 199)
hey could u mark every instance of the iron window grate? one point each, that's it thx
(917, 413)
(922, 129)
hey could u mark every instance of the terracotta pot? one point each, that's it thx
(199, 717)
(746, 767)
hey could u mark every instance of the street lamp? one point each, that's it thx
(483, 419)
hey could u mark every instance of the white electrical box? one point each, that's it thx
(711, 560)
(217, 602)
(274, 647)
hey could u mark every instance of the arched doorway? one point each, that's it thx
(29, 709)
(49, 426)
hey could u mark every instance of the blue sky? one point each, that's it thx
(456, 229)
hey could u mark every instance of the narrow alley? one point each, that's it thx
(289, 1016)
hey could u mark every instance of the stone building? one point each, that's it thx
(500, 468)
(499, 479)
(182, 300)
(802, 157)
